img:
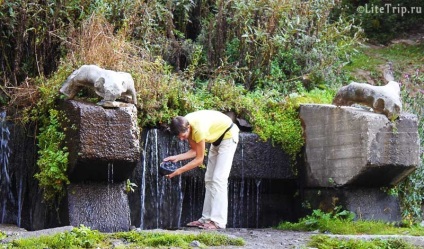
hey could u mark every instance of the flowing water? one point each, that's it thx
(6, 193)
(160, 198)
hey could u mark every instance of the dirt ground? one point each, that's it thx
(268, 238)
(272, 238)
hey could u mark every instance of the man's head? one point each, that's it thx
(180, 127)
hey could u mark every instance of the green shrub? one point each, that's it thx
(276, 117)
(270, 44)
(340, 221)
(53, 159)
(334, 222)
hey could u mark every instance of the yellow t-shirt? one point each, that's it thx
(210, 125)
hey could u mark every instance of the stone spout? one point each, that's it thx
(108, 84)
(382, 99)
(99, 140)
(351, 146)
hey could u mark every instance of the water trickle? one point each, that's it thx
(110, 173)
(161, 199)
(143, 183)
(20, 202)
(5, 182)
(258, 185)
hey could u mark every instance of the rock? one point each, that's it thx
(195, 243)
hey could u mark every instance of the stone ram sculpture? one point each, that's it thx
(382, 99)
(108, 84)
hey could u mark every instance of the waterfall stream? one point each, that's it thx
(160, 198)
(6, 193)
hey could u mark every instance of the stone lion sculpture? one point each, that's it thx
(382, 99)
(108, 84)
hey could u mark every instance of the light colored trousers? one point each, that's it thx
(220, 160)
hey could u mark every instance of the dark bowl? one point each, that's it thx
(166, 168)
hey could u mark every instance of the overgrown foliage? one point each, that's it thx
(53, 159)
(271, 44)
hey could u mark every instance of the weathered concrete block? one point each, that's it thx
(100, 206)
(103, 143)
(351, 146)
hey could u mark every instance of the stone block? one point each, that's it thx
(103, 143)
(352, 146)
(100, 206)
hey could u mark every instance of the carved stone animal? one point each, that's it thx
(382, 99)
(108, 84)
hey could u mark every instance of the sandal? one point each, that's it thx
(195, 223)
(210, 226)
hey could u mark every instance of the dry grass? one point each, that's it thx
(96, 43)
(26, 95)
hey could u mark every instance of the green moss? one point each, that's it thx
(162, 239)
(326, 242)
(84, 237)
